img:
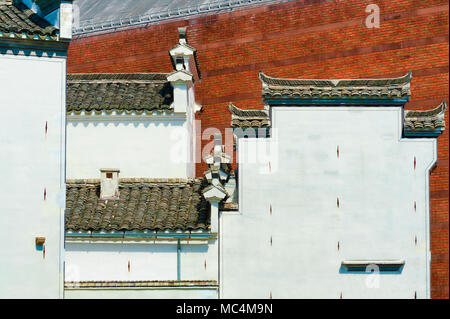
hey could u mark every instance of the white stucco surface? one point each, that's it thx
(100, 261)
(145, 293)
(292, 252)
(32, 162)
(139, 148)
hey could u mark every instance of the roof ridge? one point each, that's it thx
(89, 25)
(368, 82)
(128, 180)
(91, 77)
(234, 110)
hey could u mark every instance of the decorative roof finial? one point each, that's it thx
(182, 35)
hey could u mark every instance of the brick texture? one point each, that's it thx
(318, 39)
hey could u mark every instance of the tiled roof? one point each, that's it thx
(120, 92)
(248, 118)
(143, 204)
(18, 21)
(386, 89)
(424, 123)
(101, 15)
(140, 284)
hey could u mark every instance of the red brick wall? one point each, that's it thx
(310, 39)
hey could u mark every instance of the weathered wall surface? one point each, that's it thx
(314, 39)
(32, 102)
(316, 208)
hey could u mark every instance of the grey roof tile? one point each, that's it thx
(422, 123)
(121, 92)
(388, 88)
(143, 204)
(248, 118)
(17, 19)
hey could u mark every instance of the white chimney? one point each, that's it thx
(65, 19)
(182, 52)
(109, 183)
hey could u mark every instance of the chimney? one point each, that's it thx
(182, 36)
(109, 183)
(182, 52)
(66, 17)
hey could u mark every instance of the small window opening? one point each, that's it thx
(180, 61)
(109, 175)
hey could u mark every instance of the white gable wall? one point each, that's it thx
(376, 184)
(32, 93)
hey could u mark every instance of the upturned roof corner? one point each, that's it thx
(241, 118)
(430, 123)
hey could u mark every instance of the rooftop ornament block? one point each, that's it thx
(182, 53)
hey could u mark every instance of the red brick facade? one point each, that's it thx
(308, 39)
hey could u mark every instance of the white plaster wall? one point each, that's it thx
(375, 181)
(139, 148)
(31, 94)
(87, 261)
(199, 261)
(109, 261)
(166, 293)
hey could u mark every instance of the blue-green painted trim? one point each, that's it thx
(383, 269)
(178, 260)
(423, 133)
(288, 100)
(143, 235)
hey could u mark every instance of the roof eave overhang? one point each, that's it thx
(34, 44)
(131, 236)
(422, 132)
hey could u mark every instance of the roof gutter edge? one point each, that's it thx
(142, 236)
